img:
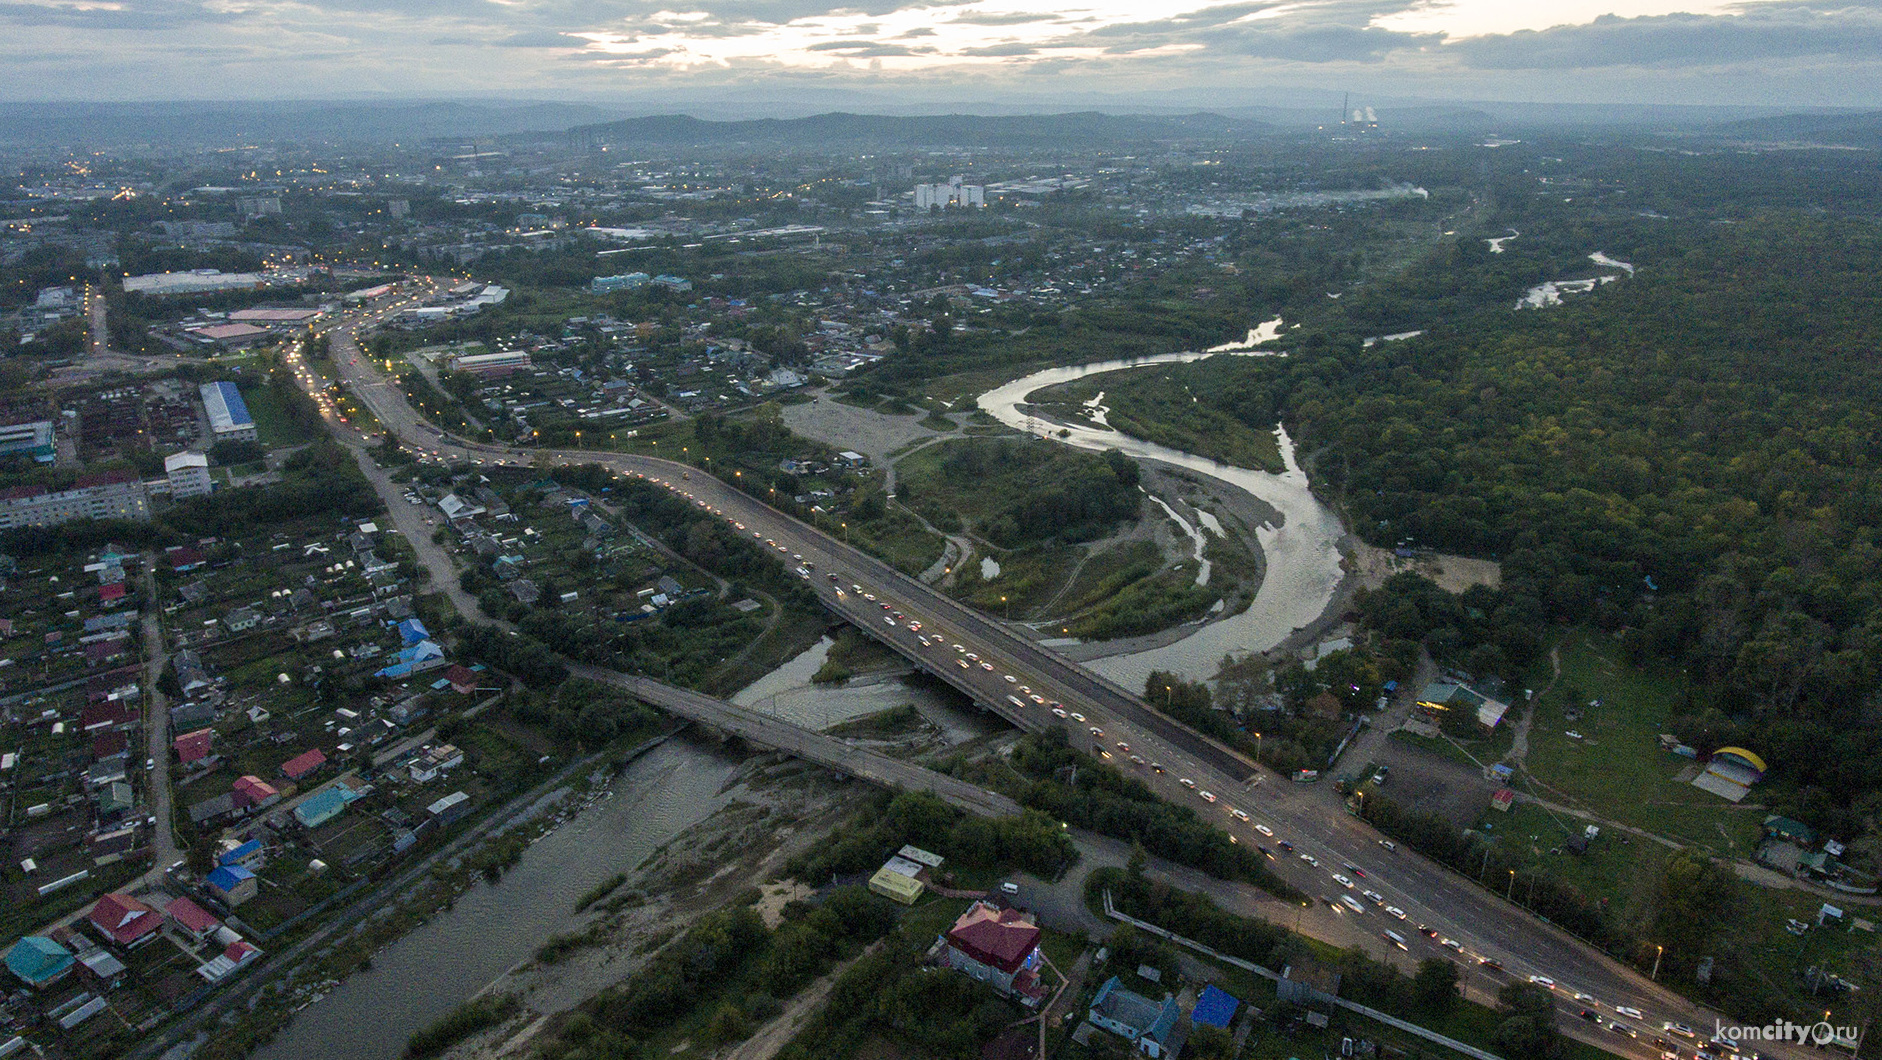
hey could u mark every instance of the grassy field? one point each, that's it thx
(1617, 769)
(271, 422)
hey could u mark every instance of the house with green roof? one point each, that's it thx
(38, 961)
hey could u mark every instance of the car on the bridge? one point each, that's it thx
(1076, 716)
(1430, 933)
(1623, 1030)
(1355, 870)
(987, 666)
(1041, 701)
(1285, 845)
(1374, 897)
(1265, 830)
(1010, 679)
(915, 626)
(1589, 1015)
(1240, 815)
(1543, 981)
(1156, 767)
(1137, 760)
(889, 620)
(1122, 746)
(1395, 912)
(963, 664)
(1186, 782)
(1630, 1013)
(971, 657)
(1311, 860)
(1342, 881)
(1587, 999)
(1056, 712)
(1095, 731)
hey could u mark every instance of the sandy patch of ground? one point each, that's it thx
(866, 431)
(786, 808)
(1454, 574)
(776, 897)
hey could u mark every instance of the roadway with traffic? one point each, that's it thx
(1312, 841)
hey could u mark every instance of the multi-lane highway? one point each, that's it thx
(1314, 845)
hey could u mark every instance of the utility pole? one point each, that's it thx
(1658, 952)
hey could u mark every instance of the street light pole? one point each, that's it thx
(1509, 892)
(1658, 952)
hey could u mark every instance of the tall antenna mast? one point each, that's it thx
(1344, 101)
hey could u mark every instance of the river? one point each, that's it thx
(492, 927)
(1303, 555)
(443, 962)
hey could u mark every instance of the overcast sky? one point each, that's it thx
(1227, 52)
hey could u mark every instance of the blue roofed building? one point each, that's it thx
(249, 855)
(411, 631)
(414, 659)
(229, 420)
(38, 961)
(232, 883)
(323, 805)
(1214, 1008)
(1149, 1025)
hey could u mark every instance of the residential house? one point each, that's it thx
(212, 809)
(999, 947)
(435, 760)
(323, 806)
(525, 591)
(414, 659)
(38, 961)
(233, 884)
(250, 855)
(101, 966)
(463, 679)
(303, 764)
(194, 747)
(124, 921)
(241, 620)
(254, 793)
(1214, 1008)
(192, 920)
(1150, 1026)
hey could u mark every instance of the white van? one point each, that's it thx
(1352, 903)
(1395, 939)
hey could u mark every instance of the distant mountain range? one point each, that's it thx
(946, 130)
(1851, 130)
(224, 124)
(843, 122)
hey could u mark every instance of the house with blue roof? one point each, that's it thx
(1150, 1026)
(249, 855)
(232, 883)
(324, 805)
(1214, 1008)
(411, 631)
(415, 659)
(38, 961)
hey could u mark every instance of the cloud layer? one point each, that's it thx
(1776, 51)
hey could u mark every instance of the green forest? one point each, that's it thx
(1686, 458)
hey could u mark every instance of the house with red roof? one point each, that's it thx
(112, 595)
(253, 793)
(999, 947)
(463, 679)
(99, 717)
(194, 747)
(127, 922)
(303, 764)
(191, 919)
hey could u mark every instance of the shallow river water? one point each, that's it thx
(1303, 556)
